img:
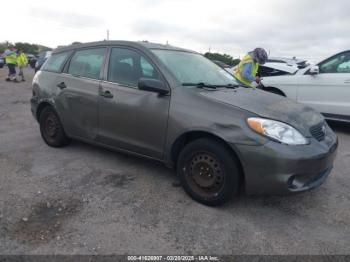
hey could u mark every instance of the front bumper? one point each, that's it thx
(281, 169)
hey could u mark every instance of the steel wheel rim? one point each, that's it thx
(205, 174)
(51, 126)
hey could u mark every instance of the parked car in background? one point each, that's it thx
(31, 60)
(227, 67)
(276, 69)
(42, 57)
(324, 86)
(176, 106)
(2, 62)
(300, 63)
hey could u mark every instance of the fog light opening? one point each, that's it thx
(291, 183)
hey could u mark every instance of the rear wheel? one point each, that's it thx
(209, 172)
(51, 128)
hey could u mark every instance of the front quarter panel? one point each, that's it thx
(287, 84)
(193, 112)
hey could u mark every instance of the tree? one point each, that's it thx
(225, 58)
(27, 48)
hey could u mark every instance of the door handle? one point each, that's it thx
(62, 85)
(347, 81)
(106, 94)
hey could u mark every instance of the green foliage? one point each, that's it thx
(26, 47)
(225, 58)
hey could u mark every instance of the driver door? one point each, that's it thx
(129, 118)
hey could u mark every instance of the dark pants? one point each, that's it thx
(12, 69)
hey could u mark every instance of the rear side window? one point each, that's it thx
(55, 62)
(87, 63)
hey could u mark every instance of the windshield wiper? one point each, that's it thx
(229, 86)
(200, 85)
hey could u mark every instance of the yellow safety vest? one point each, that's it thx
(22, 60)
(239, 69)
(11, 58)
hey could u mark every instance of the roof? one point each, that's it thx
(140, 44)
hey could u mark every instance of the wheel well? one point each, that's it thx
(189, 137)
(274, 90)
(40, 108)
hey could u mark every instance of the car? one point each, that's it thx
(276, 69)
(175, 106)
(221, 64)
(31, 60)
(2, 62)
(300, 63)
(324, 86)
(42, 57)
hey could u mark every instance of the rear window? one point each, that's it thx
(87, 63)
(55, 62)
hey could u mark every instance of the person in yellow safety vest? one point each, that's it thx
(11, 61)
(247, 69)
(22, 62)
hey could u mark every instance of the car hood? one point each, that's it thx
(268, 105)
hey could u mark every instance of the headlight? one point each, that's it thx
(277, 131)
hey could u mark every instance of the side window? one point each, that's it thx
(127, 67)
(337, 64)
(87, 63)
(55, 62)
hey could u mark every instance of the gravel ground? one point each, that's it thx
(86, 200)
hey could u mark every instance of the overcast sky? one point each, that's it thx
(311, 29)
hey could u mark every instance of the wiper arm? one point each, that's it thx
(229, 86)
(200, 85)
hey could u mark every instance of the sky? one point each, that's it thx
(310, 29)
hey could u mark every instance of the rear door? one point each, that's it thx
(78, 92)
(329, 91)
(129, 118)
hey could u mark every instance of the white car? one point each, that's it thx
(325, 86)
(277, 69)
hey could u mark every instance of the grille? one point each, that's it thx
(318, 131)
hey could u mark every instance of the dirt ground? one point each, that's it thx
(83, 199)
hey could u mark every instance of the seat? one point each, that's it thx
(123, 73)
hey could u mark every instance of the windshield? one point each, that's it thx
(194, 68)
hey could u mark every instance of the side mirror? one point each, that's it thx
(153, 85)
(314, 70)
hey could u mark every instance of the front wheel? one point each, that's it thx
(209, 172)
(51, 128)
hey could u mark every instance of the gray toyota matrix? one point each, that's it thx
(176, 106)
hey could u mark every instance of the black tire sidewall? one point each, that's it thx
(60, 138)
(228, 162)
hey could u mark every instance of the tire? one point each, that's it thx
(51, 128)
(209, 172)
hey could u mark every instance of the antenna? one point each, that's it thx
(107, 34)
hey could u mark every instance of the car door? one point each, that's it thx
(129, 118)
(329, 91)
(78, 96)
